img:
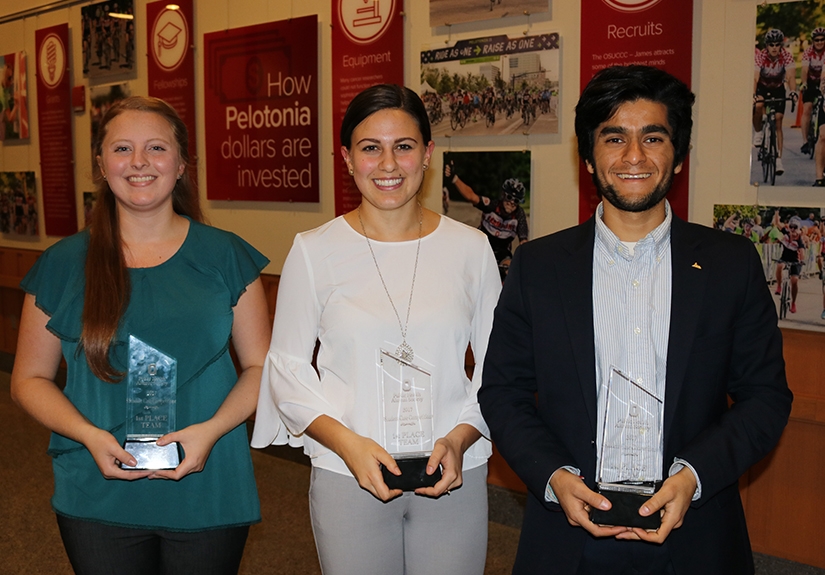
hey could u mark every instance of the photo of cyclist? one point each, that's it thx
(793, 254)
(812, 60)
(819, 149)
(774, 67)
(789, 241)
(503, 220)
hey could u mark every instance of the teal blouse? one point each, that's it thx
(184, 308)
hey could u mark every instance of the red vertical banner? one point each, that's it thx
(54, 117)
(171, 62)
(261, 109)
(648, 32)
(367, 49)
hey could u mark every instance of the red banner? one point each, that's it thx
(367, 49)
(54, 116)
(649, 32)
(171, 62)
(261, 100)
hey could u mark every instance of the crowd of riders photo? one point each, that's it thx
(462, 106)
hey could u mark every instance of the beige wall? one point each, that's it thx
(722, 76)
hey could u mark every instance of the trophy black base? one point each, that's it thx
(413, 474)
(151, 456)
(625, 510)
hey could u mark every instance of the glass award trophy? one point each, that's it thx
(405, 392)
(630, 461)
(151, 390)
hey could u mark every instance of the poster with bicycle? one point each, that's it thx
(490, 191)
(789, 52)
(449, 12)
(493, 85)
(789, 241)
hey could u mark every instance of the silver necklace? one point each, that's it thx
(405, 350)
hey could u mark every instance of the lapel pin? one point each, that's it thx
(696, 265)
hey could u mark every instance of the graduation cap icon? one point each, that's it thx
(168, 37)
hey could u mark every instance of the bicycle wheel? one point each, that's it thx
(785, 297)
(764, 153)
(454, 121)
(772, 155)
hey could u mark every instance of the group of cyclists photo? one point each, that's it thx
(791, 245)
(489, 104)
(788, 105)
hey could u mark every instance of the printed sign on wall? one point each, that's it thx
(171, 60)
(648, 32)
(261, 99)
(54, 101)
(367, 49)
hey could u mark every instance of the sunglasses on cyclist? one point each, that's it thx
(819, 39)
(794, 227)
(774, 44)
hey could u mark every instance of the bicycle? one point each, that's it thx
(813, 129)
(785, 287)
(490, 116)
(458, 117)
(768, 151)
(435, 112)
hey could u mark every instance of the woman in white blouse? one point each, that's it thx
(394, 293)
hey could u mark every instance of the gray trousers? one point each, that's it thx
(357, 534)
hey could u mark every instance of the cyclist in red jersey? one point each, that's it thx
(812, 60)
(773, 68)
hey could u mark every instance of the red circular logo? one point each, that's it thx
(631, 5)
(365, 21)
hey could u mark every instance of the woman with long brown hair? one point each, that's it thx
(146, 269)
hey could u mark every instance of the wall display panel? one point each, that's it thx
(55, 130)
(368, 49)
(261, 110)
(171, 62)
(14, 108)
(108, 39)
(449, 12)
(18, 204)
(787, 74)
(490, 191)
(789, 241)
(493, 85)
(646, 32)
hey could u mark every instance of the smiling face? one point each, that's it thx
(141, 161)
(387, 158)
(633, 156)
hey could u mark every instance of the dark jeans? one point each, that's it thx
(98, 549)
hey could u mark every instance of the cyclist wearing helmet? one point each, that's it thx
(793, 255)
(773, 67)
(812, 60)
(502, 220)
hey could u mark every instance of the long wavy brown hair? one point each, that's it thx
(107, 277)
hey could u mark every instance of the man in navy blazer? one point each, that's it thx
(678, 305)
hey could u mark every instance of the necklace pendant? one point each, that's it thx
(405, 352)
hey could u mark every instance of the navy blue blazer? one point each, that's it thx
(538, 393)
